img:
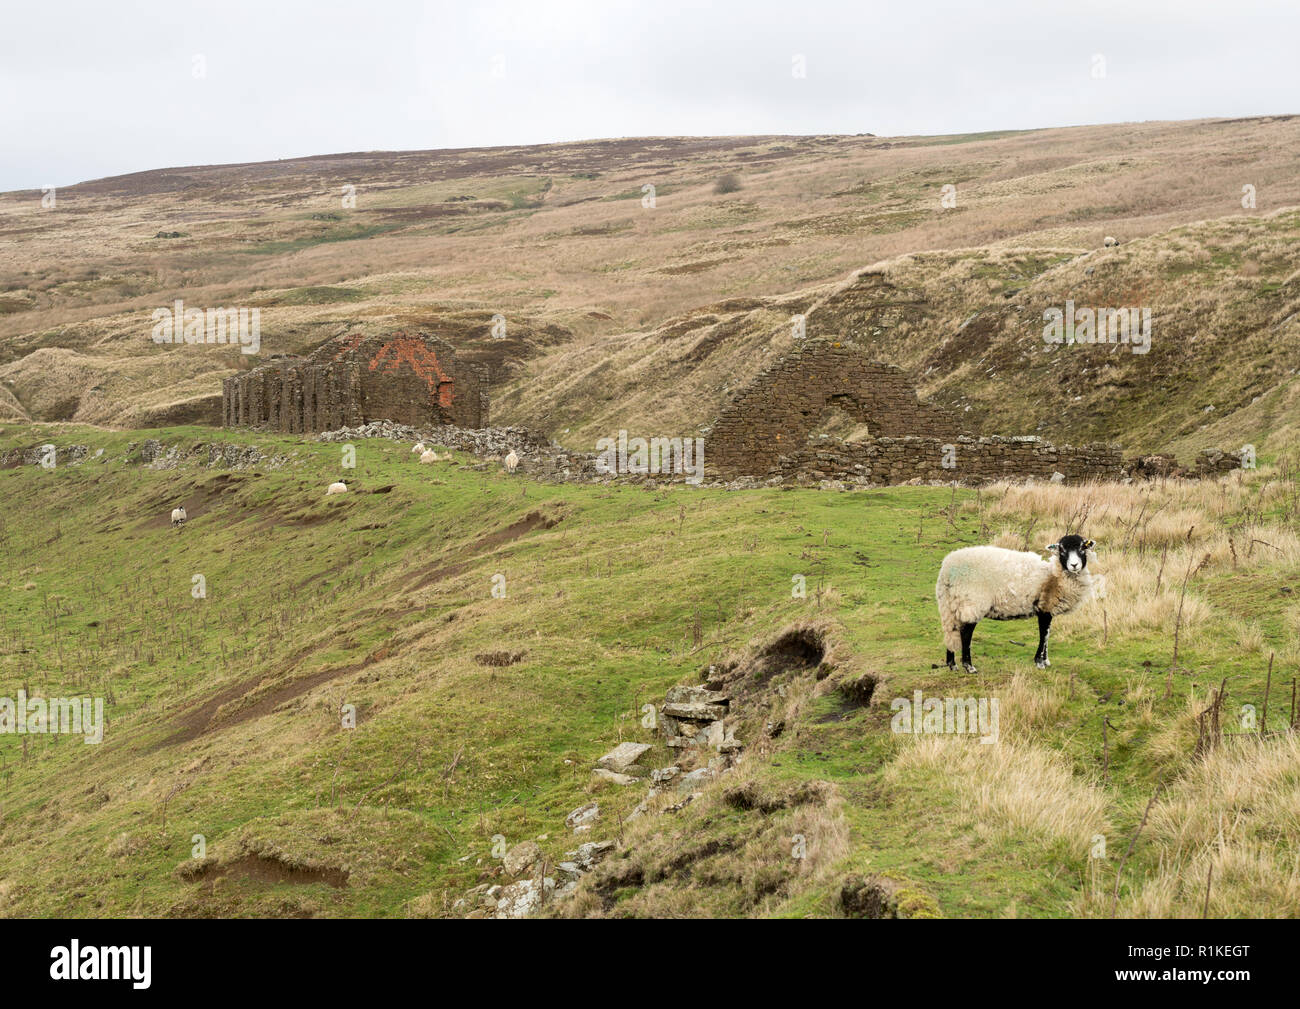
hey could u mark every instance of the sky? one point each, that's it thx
(90, 89)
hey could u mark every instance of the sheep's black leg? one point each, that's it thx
(950, 660)
(1044, 629)
(966, 631)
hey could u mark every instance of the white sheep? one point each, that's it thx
(429, 455)
(512, 461)
(338, 487)
(1110, 242)
(417, 448)
(179, 518)
(979, 582)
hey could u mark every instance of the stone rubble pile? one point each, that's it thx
(538, 455)
(152, 453)
(695, 722)
(522, 897)
(34, 455)
(217, 454)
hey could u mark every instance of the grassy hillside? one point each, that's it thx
(224, 711)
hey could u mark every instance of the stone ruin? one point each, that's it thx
(772, 417)
(764, 432)
(407, 378)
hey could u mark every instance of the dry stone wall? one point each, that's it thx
(407, 378)
(963, 459)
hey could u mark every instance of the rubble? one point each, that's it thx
(623, 756)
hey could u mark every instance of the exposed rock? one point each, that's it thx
(613, 777)
(695, 695)
(583, 817)
(696, 779)
(695, 712)
(518, 900)
(623, 756)
(588, 856)
(521, 857)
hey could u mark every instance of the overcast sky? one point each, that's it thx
(94, 89)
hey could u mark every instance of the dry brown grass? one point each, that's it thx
(1238, 812)
(1149, 536)
(1012, 791)
(577, 252)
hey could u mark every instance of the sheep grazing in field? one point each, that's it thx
(338, 487)
(979, 582)
(429, 455)
(1110, 242)
(417, 448)
(512, 461)
(179, 518)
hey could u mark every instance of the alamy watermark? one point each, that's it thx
(952, 715)
(37, 716)
(75, 962)
(654, 455)
(179, 324)
(1128, 326)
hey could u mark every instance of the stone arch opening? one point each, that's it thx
(775, 414)
(842, 418)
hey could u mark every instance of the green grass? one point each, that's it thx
(95, 598)
(350, 233)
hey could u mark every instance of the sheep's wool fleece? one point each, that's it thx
(979, 582)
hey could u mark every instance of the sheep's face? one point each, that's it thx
(1072, 553)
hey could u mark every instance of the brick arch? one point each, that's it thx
(774, 414)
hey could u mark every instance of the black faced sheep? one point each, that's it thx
(179, 518)
(979, 582)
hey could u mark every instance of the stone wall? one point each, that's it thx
(773, 415)
(963, 459)
(408, 378)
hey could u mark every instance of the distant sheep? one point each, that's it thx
(1110, 242)
(979, 582)
(418, 448)
(337, 488)
(429, 455)
(512, 461)
(179, 518)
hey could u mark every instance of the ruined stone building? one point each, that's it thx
(764, 431)
(408, 378)
(773, 415)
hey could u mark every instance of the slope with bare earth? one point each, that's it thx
(321, 706)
